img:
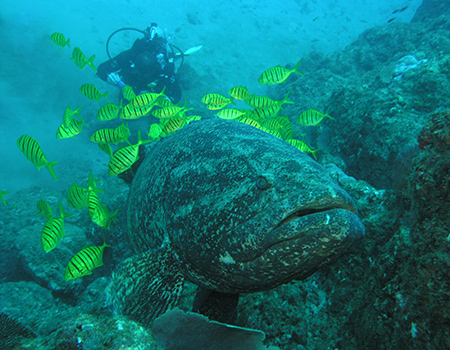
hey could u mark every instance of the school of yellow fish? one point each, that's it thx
(262, 114)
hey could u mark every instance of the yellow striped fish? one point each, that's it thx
(108, 136)
(92, 203)
(128, 93)
(217, 99)
(303, 146)
(312, 117)
(91, 92)
(2, 198)
(266, 102)
(277, 74)
(80, 59)
(155, 131)
(33, 152)
(109, 111)
(163, 101)
(230, 113)
(44, 209)
(59, 39)
(53, 231)
(65, 132)
(85, 261)
(213, 107)
(239, 93)
(146, 99)
(169, 112)
(173, 124)
(103, 217)
(69, 113)
(129, 112)
(250, 121)
(77, 196)
(265, 113)
(125, 157)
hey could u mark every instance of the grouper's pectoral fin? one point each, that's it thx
(145, 286)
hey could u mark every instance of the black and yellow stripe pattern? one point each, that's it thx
(108, 112)
(72, 130)
(59, 39)
(32, 151)
(311, 117)
(91, 92)
(86, 260)
(52, 233)
(77, 196)
(106, 136)
(239, 93)
(123, 159)
(277, 74)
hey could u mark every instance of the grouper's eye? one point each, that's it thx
(263, 183)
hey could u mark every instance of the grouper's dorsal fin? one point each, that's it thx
(145, 286)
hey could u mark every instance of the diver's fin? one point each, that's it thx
(145, 286)
(191, 51)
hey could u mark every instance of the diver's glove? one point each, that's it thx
(115, 79)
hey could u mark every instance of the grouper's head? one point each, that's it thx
(247, 211)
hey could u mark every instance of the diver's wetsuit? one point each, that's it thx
(157, 72)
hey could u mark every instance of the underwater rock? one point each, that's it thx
(177, 329)
(47, 269)
(12, 331)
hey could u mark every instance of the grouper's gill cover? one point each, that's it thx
(240, 209)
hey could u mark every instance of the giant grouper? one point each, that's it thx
(231, 209)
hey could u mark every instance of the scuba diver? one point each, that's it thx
(147, 67)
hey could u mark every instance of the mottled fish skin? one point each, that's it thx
(242, 210)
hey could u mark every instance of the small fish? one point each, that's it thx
(128, 93)
(58, 39)
(44, 209)
(85, 261)
(217, 99)
(146, 99)
(250, 121)
(53, 231)
(110, 136)
(103, 217)
(129, 112)
(277, 74)
(400, 10)
(315, 18)
(155, 131)
(109, 111)
(77, 196)
(191, 51)
(391, 20)
(239, 93)
(65, 132)
(265, 113)
(266, 102)
(303, 146)
(33, 152)
(230, 113)
(163, 101)
(213, 107)
(92, 203)
(125, 157)
(312, 117)
(91, 92)
(80, 59)
(173, 124)
(2, 198)
(69, 113)
(169, 112)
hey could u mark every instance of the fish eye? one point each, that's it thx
(262, 183)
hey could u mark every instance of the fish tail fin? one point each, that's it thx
(2, 193)
(314, 153)
(327, 115)
(133, 289)
(90, 62)
(297, 66)
(50, 166)
(62, 213)
(92, 183)
(285, 100)
(67, 43)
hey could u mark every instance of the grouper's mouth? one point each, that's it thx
(299, 214)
